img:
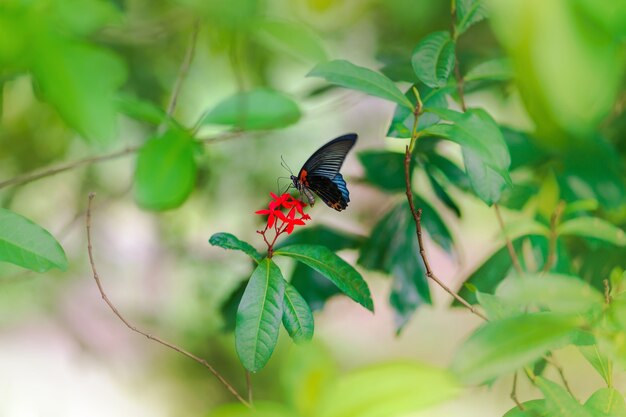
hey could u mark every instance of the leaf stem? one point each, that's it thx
(460, 83)
(509, 244)
(554, 222)
(249, 386)
(119, 315)
(514, 393)
(184, 68)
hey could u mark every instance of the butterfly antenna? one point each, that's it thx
(278, 184)
(284, 165)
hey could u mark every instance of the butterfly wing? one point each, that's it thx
(327, 160)
(332, 192)
(320, 173)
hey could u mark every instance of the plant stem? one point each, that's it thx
(119, 315)
(184, 68)
(514, 393)
(249, 386)
(50, 171)
(417, 217)
(509, 244)
(554, 222)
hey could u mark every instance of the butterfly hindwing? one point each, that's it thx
(329, 192)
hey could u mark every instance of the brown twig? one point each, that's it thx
(417, 217)
(460, 83)
(184, 68)
(514, 394)
(554, 222)
(165, 343)
(552, 361)
(509, 244)
(50, 171)
(607, 291)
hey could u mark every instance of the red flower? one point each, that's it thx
(278, 220)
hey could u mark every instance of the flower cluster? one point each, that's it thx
(280, 221)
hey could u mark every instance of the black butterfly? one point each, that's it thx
(320, 173)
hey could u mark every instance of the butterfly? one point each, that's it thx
(320, 173)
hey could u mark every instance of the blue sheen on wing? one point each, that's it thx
(343, 187)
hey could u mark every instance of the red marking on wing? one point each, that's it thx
(303, 179)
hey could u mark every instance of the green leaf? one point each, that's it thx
(80, 81)
(606, 402)
(291, 38)
(387, 249)
(441, 193)
(556, 292)
(601, 363)
(228, 241)
(433, 223)
(549, 85)
(403, 117)
(498, 69)
(261, 108)
(314, 287)
(297, 316)
(433, 59)
(532, 408)
(525, 226)
(388, 390)
(595, 228)
(348, 75)
(450, 170)
(307, 371)
(468, 13)
(496, 307)
(486, 182)
(523, 148)
(559, 403)
(259, 316)
(141, 110)
(501, 347)
(261, 409)
(384, 169)
(333, 239)
(489, 273)
(485, 153)
(341, 273)
(166, 171)
(28, 245)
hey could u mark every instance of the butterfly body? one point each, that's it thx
(320, 174)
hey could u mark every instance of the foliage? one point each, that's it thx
(554, 276)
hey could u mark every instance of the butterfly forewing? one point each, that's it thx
(327, 160)
(320, 173)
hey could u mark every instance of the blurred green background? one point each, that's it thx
(81, 78)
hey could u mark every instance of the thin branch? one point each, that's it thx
(417, 217)
(607, 292)
(509, 244)
(552, 361)
(555, 219)
(514, 394)
(184, 68)
(460, 83)
(50, 171)
(165, 343)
